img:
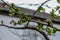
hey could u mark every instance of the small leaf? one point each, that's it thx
(11, 15)
(38, 20)
(1, 21)
(52, 15)
(49, 31)
(14, 23)
(58, 1)
(12, 5)
(59, 11)
(58, 7)
(17, 9)
(54, 30)
(40, 9)
(40, 27)
(21, 21)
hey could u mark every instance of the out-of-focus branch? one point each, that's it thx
(5, 3)
(32, 28)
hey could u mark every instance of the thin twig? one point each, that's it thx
(37, 10)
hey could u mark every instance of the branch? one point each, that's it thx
(32, 28)
(5, 3)
(55, 28)
(41, 5)
(46, 24)
(37, 11)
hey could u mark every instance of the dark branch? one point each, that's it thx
(37, 11)
(5, 3)
(41, 6)
(32, 28)
(46, 24)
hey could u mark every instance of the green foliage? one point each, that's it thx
(40, 27)
(58, 7)
(13, 22)
(11, 14)
(48, 30)
(59, 11)
(18, 11)
(12, 9)
(40, 9)
(38, 20)
(54, 30)
(24, 17)
(21, 21)
(58, 1)
(12, 5)
(52, 15)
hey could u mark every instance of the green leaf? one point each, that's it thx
(58, 1)
(59, 11)
(21, 21)
(12, 5)
(58, 7)
(52, 15)
(40, 27)
(49, 31)
(54, 30)
(40, 9)
(38, 20)
(14, 22)
(10, 14)
(17, 9)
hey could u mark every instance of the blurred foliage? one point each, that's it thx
(58, 7)
(24, 17)
(58, 1)
(40, 27)
(40, 9)
(52, 14)
(49, 30)
(54, 30)
(2, 22)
